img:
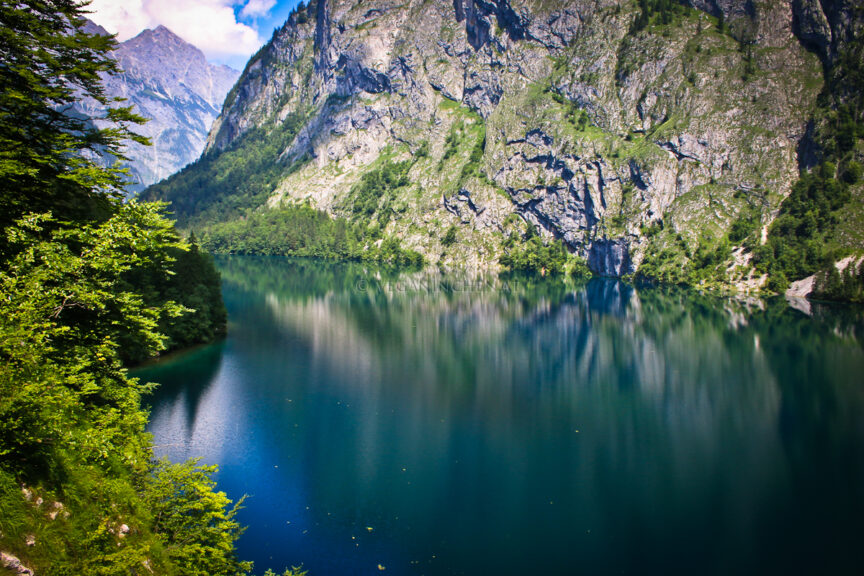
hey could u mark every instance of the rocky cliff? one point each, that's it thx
(169, 82)
(635, 132)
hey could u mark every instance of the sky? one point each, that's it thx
(227, 31)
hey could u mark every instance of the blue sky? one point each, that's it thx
(227, 31)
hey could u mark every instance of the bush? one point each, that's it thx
(852, 174)
(450, 236)
(533, 255)
(374, 192)
(195, 523)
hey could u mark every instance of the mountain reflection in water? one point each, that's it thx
(441, 424)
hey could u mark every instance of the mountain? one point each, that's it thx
(169, 82)
(647, 137)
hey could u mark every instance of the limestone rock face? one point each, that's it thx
(621, 141)
(169, 82)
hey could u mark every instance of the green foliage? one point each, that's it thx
(451, 142)
(846, 286)
(799, 239)
(531, 254)
(226, 185)
(577, 268)
(195, 524)
(722, 27)
(222, 193)
(662, 12)
(135, 256)
(665, 262)
(749, 64)
(86, 277)
(576, 116)
(302, 12)
(852, 172)
(300, 230)
(374, 193)
(63, 322)
(71, 424)
(390, 251)
(194, 284)
(449, 237)
(802, 240)
(666, 266)
(673, 262)
(87, 284)
(287, 231)
(708, 263)
(745, 228)
(472, 167)
(293, 571)
(844, 97)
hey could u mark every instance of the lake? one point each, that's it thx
(424, 423)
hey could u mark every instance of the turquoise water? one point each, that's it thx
(428, 424)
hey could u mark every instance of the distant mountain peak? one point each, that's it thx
(161, 37)
(169, 82)
(91, 27)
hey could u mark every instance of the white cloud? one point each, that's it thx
(126, 18)
(255, 8)
(211, 25)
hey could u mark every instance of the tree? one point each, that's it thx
(48, 155)
(194, 521)
(67, 310)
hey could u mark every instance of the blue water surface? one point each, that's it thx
(423, 423)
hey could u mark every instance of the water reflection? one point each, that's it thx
(483, 424)
(183, 384)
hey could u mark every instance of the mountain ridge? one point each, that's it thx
(636, 133)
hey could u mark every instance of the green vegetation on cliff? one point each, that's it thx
(661, 12)
(529, 253)
(807, 236)
(373, 195)
(300, 230)
(221, 197)
(228, 184)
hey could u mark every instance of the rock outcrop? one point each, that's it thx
(14, 565)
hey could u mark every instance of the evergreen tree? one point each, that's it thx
(48, 155)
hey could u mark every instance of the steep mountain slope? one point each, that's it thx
(169, 82)
(636, 132)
